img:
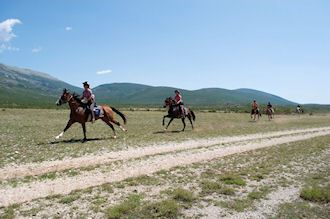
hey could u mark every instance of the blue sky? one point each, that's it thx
(277, 46)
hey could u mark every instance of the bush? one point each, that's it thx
(183, 195)
(233, 180)
(126, 208)
(209, 187)
(316, 194)
(163, 209)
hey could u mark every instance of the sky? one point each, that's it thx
(277, 46)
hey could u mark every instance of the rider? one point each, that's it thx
(255, 107)
(89, 98)
(270, 106)
(178, 101)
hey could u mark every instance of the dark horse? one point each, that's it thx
(255, 113)
(174, 112)
(78, 114)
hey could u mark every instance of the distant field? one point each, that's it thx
(28, 135)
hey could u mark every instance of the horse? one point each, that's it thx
(78, 114)
(270, 113)
(255, 113)
(299, 110)
(174, 112)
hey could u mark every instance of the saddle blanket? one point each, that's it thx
(178, 108)
(98, 112)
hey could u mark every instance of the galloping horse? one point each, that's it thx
(79, 115)
(270, 113)
(299, 110)
(174, 112)
(255, 113)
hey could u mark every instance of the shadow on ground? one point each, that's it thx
(78, 140)
(175, 131)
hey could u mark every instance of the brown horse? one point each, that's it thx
(78, 114)
(174, 112)
(270, 113)
(255, 113)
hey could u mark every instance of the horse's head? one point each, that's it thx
(168, 102)
(64, 98)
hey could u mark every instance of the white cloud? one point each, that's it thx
(6, 34)
(6, 29)
(4, 47)
(104, 72)
(68, 28)
(37, 49)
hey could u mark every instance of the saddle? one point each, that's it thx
(85, 108)
(177, 111)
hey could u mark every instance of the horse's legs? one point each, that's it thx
(84, 130)
(68, 125)
(121, 127)
(184, 124)
(189, 117)
(169, 123)
(164, 119)
(104, 119)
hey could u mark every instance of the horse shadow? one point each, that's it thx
(71, 141)
(174, 131)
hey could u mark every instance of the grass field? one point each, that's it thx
(247, 185)
(28, 135)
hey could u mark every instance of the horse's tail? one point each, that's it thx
(193, 115)
(120, 114)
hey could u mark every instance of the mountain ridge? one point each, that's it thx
(21, 87)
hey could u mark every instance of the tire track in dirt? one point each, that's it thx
(135, 168)
(34, 169)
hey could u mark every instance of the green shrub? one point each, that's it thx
(163, 209)
(209, 187)
(316, 194)
(183, 195)
(125, 208)
(232, 180)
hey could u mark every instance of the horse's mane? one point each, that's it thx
(76, 97)
(170, 99)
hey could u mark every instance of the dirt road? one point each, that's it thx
(137, 161)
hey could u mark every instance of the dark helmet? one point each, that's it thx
(86, 84)
(177, 91)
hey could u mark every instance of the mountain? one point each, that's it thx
(126, 93)
(27, 88)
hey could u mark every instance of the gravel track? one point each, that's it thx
(158, 158)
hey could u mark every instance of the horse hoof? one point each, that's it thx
(114, 137)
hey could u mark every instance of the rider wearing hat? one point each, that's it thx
(89, 98)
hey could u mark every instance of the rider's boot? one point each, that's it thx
(92, 111)
(93, 116)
